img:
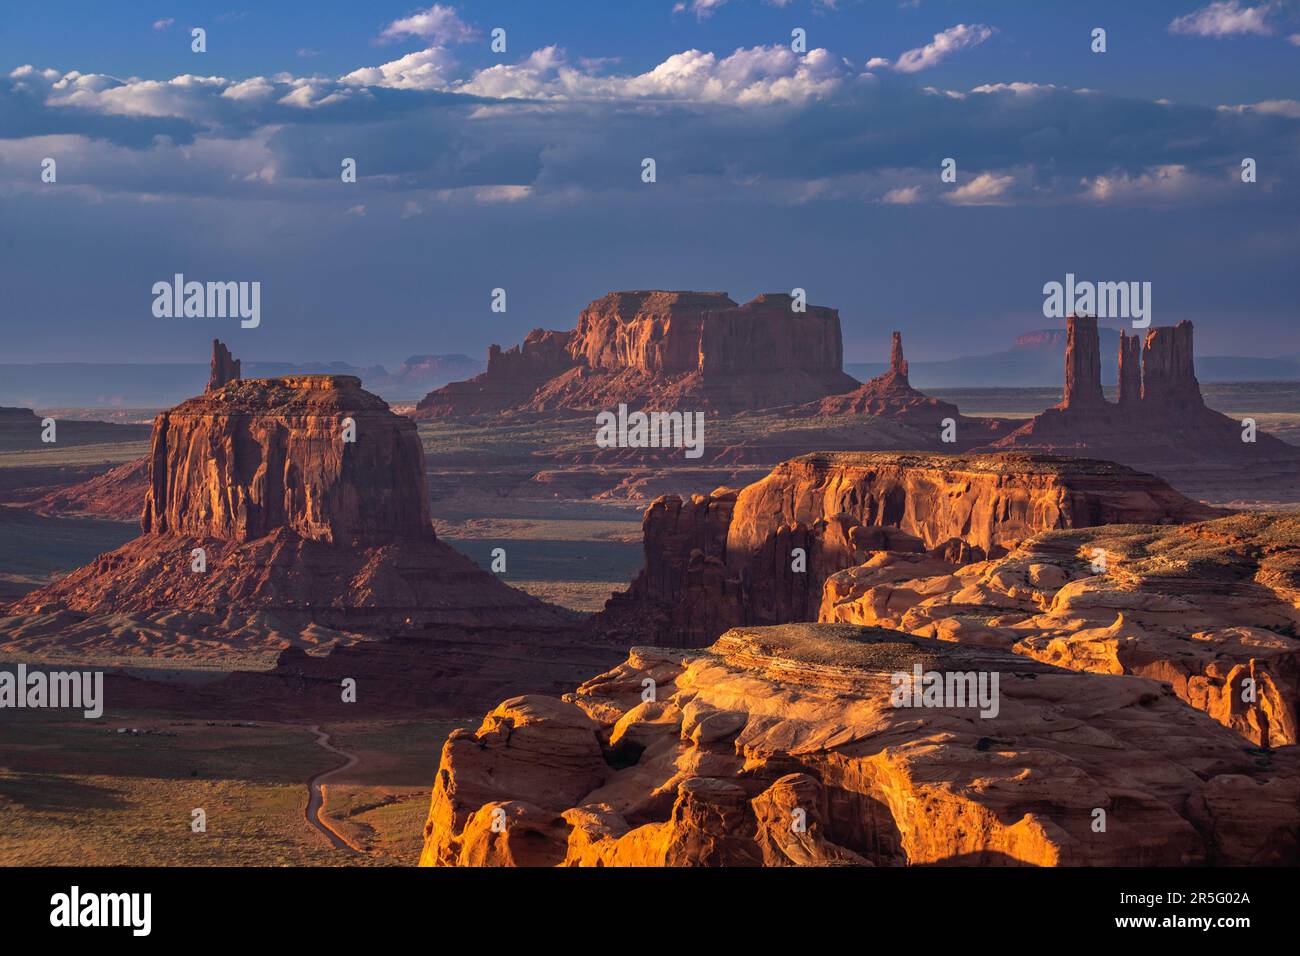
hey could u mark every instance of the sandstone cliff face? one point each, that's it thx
(841, 508)
(1212, 609)
(1161, 423)
(651, 332)
(270, 453)
(665, 351)
(780, 746)
(290, 519)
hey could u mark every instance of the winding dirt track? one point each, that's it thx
(316, 794)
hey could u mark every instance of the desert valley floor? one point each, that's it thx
(121, 789)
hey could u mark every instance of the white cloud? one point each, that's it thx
(701, 8)
(754, 76)
(984, 189)
(1294, 39)
(1018, 88)
(423, 70)
(1224, 18)
(254, 88)
(1172, 183)
(903, 196)
(1287, 108)
(438, 23)
(164, 23)
(960, 37)
(185, 96)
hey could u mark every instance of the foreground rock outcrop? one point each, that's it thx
(662, 350)
(1160, 422)
(1211, 608)
(761, 555)
(782, 746)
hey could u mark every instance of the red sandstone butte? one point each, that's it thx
(726, 559)
(291, 518)
(1160, 424)
(710, 770)
(665, 350)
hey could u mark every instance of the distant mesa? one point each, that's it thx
(655, 349)
(728, 558)
(22, 429)
(1160, 422)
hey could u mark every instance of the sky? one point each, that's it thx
(775, 168)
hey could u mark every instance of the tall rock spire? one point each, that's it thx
(224, 368)
(1082, 363)
(1130, 369)
(898, 364)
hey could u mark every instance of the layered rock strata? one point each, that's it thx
(761, 555)
(662, 350)
(1210, 608)
(782, 746)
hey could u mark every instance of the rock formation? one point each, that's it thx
(1212, 609)
(1160, 424)
(729, 558)
(1082, 364)
(224, 368)
(662, 350)
(782, 746)
(891, 396)
(306, 497)
(116, 494)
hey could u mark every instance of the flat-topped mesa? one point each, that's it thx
(224, 367)
(264, 454)
(766, 334)
(1005, 770)
(761, 555)
(663, 350)
(1082, 364)
(651, 331)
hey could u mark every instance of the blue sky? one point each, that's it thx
(521, 170)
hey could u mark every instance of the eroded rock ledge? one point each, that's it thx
(770, 721)
(1211, 608)
(727, 559)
